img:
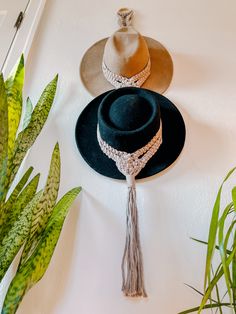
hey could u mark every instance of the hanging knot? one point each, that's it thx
(130, 181)
(125, 17)
(129, 164)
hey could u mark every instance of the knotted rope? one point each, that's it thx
(130, 164)
(125, 17)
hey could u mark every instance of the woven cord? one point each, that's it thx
(130, 165)
(119, 81)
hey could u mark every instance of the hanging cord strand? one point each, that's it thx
(132, 262)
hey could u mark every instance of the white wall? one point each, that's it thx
(84, 276)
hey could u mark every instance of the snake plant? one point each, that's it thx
(29, 219)
(221, 242)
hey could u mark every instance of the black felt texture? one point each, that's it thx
(173, 132)
(129, 112)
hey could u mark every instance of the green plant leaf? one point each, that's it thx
(12, 213)
(12, 198)
(208, 306)
(16, 236)
(28, 113)
(34, 268)
(222, 250)
(204, 242)
(218, 299)
(217, 295)
(14, 86)
(27, 137)
(213, 232)
(215, 280)
(227, 236)
(44, 208)
(199, 292)
(234, 196)
(234, 270)
(3, 138)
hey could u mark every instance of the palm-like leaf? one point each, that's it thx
(223, 247)
(213, 232)
(223, 227)
(215, 280)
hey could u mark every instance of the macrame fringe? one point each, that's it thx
(132, 263)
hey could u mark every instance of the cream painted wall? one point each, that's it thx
(84, 276)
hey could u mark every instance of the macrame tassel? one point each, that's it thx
(132, 263)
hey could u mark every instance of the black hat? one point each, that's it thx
(130, 129)
(128, 119)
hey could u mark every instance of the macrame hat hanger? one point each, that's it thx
(126, 58)
(127, 134)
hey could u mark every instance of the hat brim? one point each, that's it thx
(94, 81)
(173, 135)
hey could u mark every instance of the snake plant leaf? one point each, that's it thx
(3, 137)
(27, 137)
(11, 214)
(222, 250)
(28, 113)
(12, 198)
(213, 232)
(44, 208)
(34, 268)
(16, 236)
(14, 86)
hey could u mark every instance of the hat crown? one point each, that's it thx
(129, 112)
(126, 52)
(128, 118)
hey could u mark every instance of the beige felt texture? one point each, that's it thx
(95, 82)
(126, 52)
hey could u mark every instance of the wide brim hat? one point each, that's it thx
(92, 75)
(173, 135)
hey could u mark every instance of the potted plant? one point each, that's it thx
(29, 218)
(221, 242)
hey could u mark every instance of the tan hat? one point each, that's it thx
(126, 59)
